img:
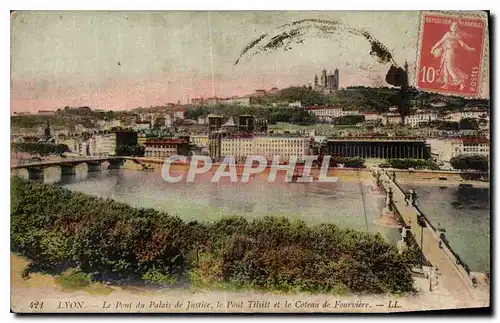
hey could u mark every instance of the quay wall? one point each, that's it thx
(156, 164)
(440, 177)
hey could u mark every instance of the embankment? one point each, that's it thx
(444, 178)
(157, 164)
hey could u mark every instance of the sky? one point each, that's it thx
(122, 60)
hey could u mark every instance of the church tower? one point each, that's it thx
(316, 80)
(337, 80)
(323, 78)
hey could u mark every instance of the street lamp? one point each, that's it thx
(421, 222)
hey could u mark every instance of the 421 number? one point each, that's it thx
(36, 305)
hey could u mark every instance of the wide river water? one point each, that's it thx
(349, 203)
(465, 215)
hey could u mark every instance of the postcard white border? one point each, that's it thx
(198, 5)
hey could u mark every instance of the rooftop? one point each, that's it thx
(322, 107)
(380, 139)
(475, 140)
(251, 136)
(229, 123)
(165, 141)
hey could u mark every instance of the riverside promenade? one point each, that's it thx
(453, 277)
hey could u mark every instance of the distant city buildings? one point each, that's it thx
(329, 113)
(350, 112)
(165, 130)
(202, 119)
(22, 113)
(325, 113)
(259, 92)
(245, 100)
(168, 120)
(142, 125)
(46, 112)
(391, 118)
(105, 144)
(372, 116)
(418, 118)
(197, 101)
(212, 101)
(199, 140)
(102, 143)
(180, 113)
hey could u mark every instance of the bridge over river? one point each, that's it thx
(67, 165)
(453, 278)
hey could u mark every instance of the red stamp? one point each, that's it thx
(451, 54)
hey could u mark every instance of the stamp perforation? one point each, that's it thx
(483, 84)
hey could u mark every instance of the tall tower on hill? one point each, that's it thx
(46, 131)
(324, 80)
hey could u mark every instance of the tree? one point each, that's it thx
(470, 162)
(468, 124)
(130, 150)
(413, 163)
(354, 162)
(399, 77)
(349, 120)
(445, 125)
(40, 148)
(139, 151)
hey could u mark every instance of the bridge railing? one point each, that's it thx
(445, 246)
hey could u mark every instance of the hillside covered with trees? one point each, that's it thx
(273, 107)
(367, 98)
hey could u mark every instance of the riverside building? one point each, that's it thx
(443, 150)
(266, 146)
(385, 147)
(166, 147)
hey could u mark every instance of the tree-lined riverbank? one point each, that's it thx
(58, 229)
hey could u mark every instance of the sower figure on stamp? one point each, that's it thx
(447, 48)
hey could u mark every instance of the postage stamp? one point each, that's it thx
(451, 53)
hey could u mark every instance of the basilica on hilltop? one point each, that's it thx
(327, 83)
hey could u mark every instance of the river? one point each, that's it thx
(465, 215)
(348, 203)
(353, 204)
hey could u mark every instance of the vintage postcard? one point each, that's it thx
(249, 161)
